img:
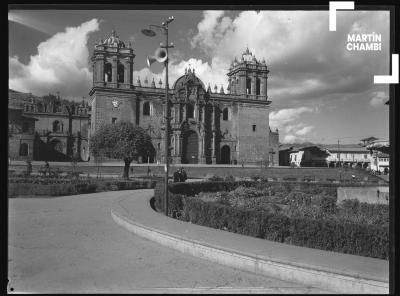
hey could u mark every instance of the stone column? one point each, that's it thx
(114, 71)
(253, 84)
(203, 148)
(266, 86)
(203, 115)
(178, 144)
(196, 111)
(200, 148)
(213, 157)
(128, 72)
(213, 117)
(263, 85)
(242, 82)
(182, 108)
(100, 69)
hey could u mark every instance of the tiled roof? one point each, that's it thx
(348, 149)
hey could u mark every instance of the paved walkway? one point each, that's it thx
(71, 244)
(327, 270)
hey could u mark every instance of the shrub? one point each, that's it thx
(229, 179)
(361, 212)
(310, 220)
(331, 235)
(36, 186)
(214, 178)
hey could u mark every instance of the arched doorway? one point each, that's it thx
(190, 147)
(225, 155)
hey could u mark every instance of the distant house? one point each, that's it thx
(379, 151)
(349, 157)
(311, 156)
(368, 140)
(284, 155)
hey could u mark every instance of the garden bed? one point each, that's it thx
(293, 213)
(39, 186)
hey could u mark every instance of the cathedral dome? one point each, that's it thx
(189, 77)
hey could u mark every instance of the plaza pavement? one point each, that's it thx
(71, 244)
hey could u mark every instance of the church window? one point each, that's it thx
(254, 127)
(248, 86)
(146, 108)
(108, 72)
(113, 120)
(225, 114)
(23, 149)
(190, 111)
(258, 84)
(56, 126)
(120, 73)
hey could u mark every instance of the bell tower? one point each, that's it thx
(112, 63)
(248, 77)
(113, 97)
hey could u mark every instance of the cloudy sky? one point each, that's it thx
(320, 91)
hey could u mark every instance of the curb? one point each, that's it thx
(287, 271)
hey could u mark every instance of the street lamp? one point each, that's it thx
(150, 33)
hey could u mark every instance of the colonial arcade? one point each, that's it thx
(207, 126)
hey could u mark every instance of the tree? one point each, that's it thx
(120, 140)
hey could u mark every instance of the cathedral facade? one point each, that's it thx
(206, 126)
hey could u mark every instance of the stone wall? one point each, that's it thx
(379, 194)
(253, 145)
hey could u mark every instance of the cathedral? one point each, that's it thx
(207, 126)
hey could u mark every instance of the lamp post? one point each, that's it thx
(150, 33)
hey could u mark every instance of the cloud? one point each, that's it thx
(289, 139)
(305, 130)
(379, 98)
(176, 69)
(288, 122)
(306, 61)
(61, 64)
(282, 117)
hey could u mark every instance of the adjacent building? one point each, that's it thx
(47, 128)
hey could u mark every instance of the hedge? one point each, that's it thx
(326, 234)
(330, 235)
(190, 189)
(21, 189)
